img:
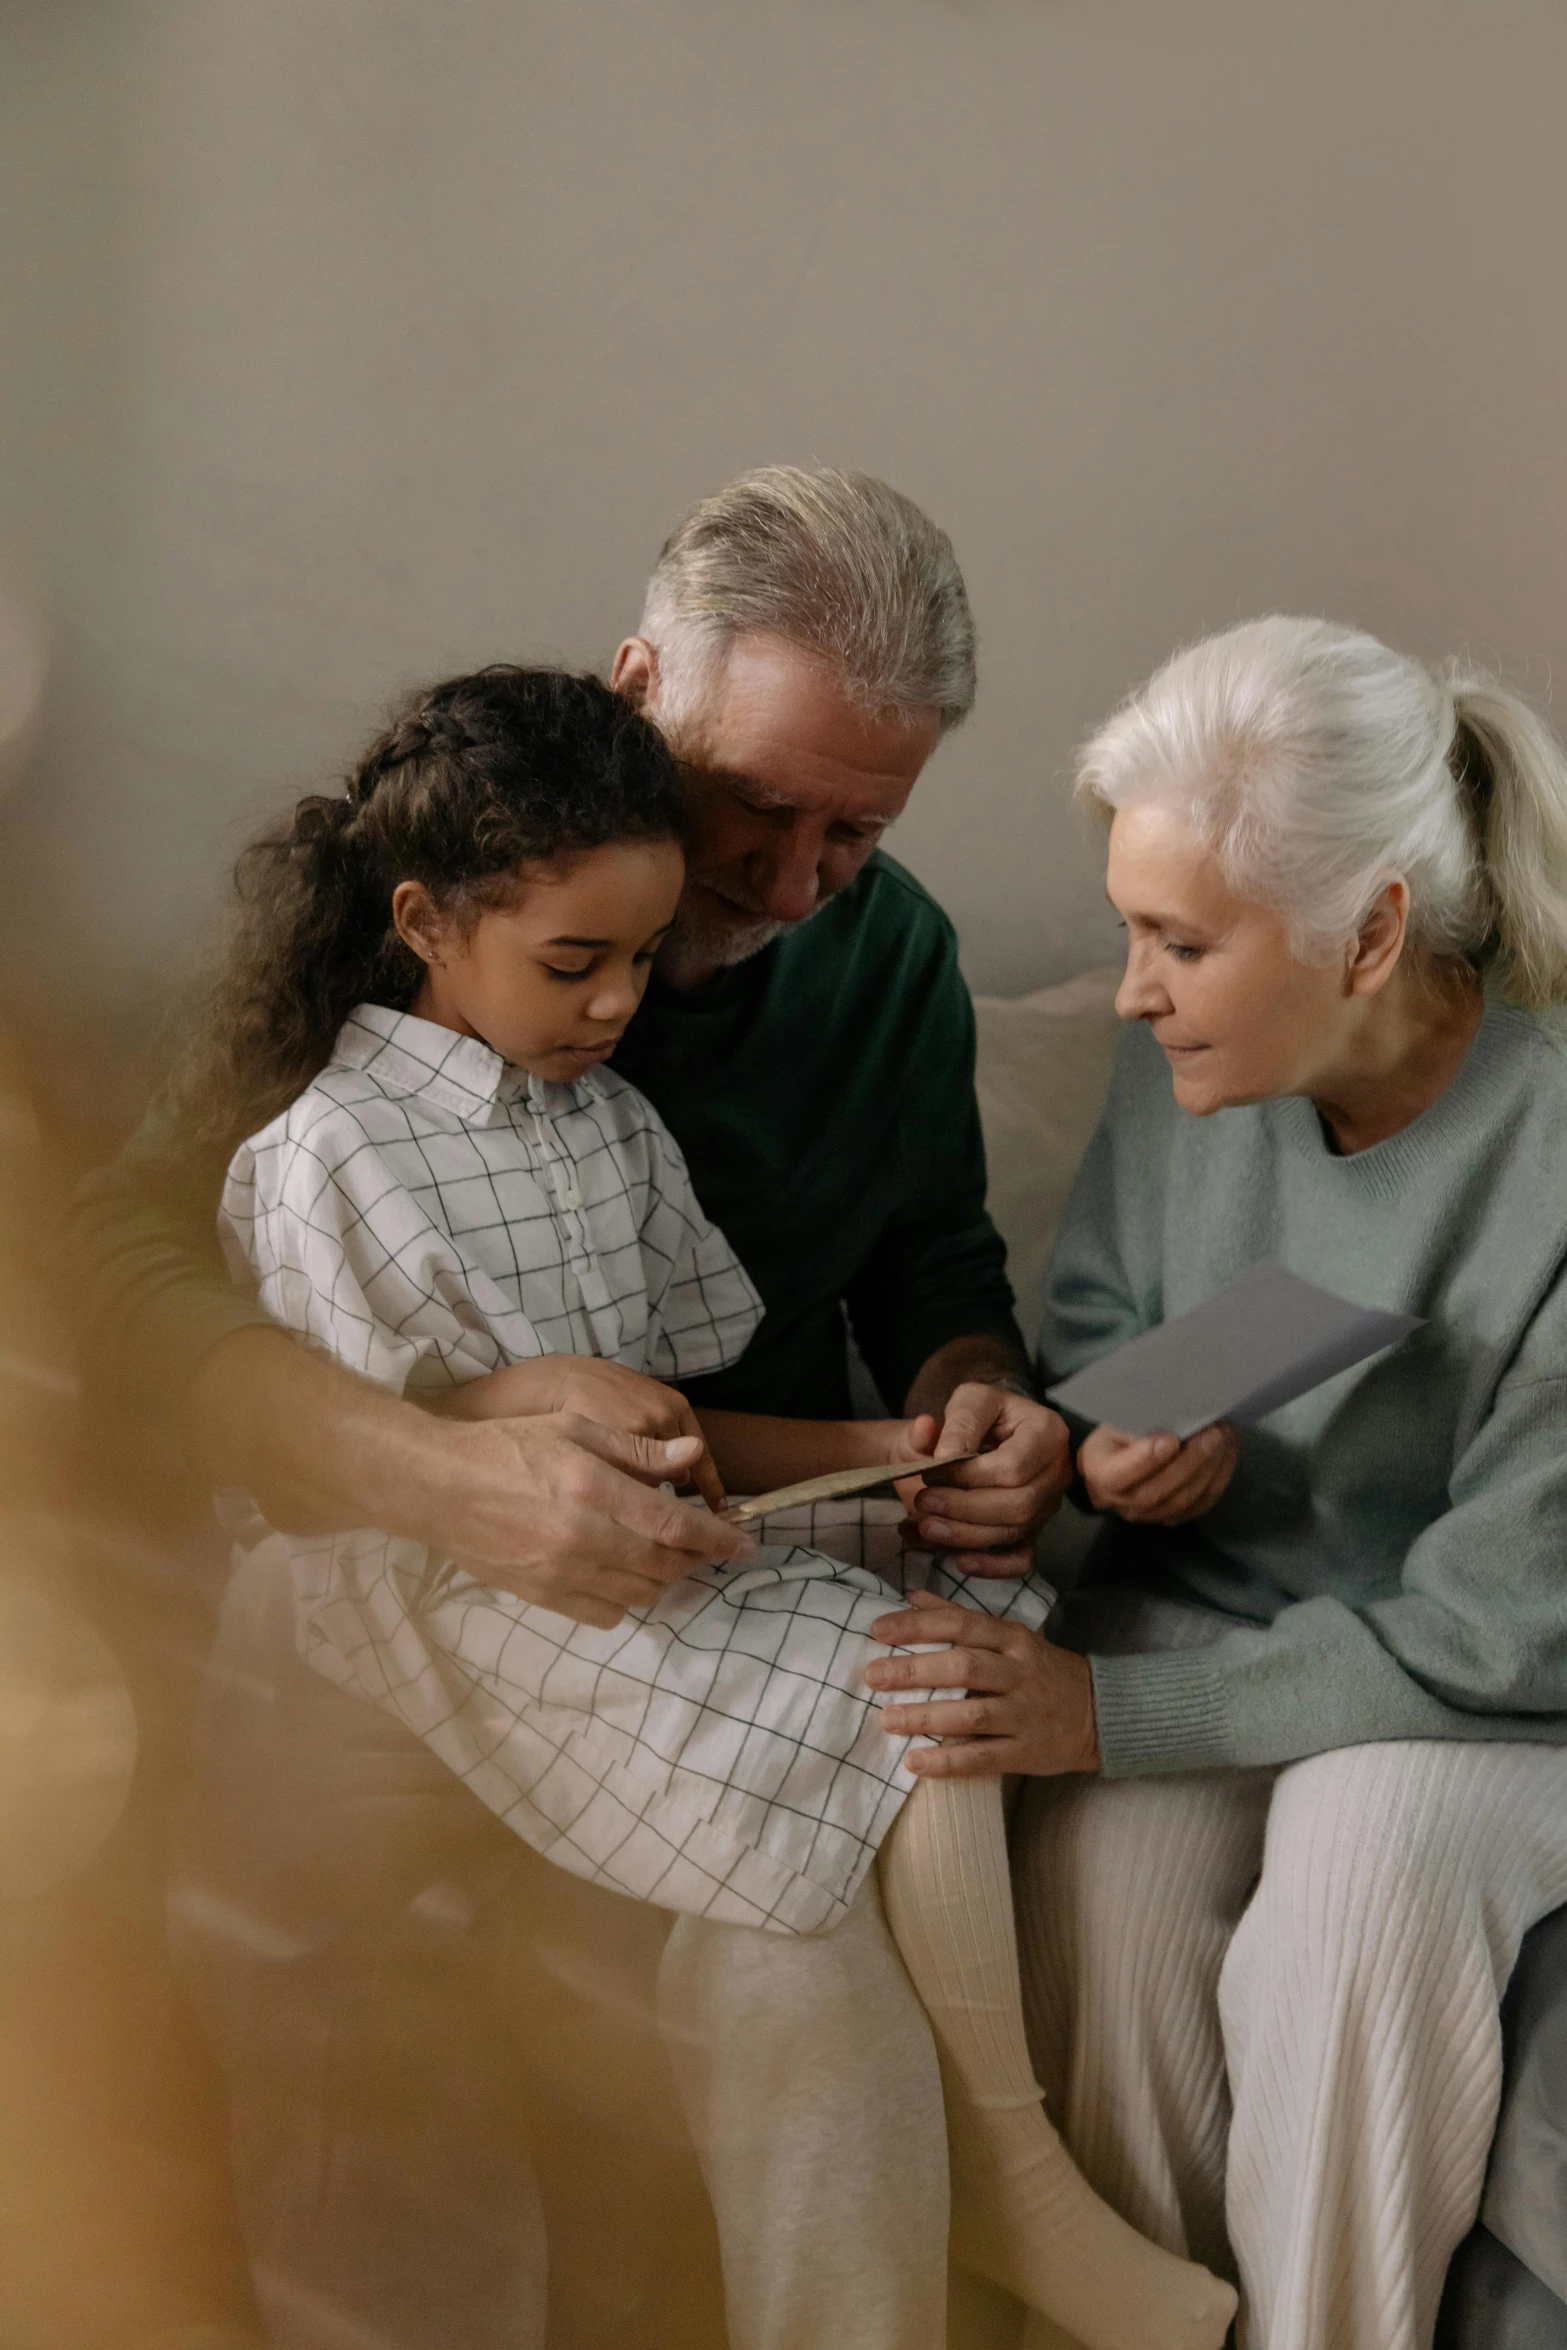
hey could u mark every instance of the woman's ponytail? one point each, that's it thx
(1512, 770)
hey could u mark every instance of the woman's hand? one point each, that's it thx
(590, 1389)
(1029, 1707)
(1157, 1480)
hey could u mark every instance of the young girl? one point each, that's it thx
(439, 966)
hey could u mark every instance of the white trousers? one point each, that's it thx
(1264, 2010)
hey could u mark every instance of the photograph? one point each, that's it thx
(783, 1175)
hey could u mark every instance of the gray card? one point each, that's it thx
(1266, 1339)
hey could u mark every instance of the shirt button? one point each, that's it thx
(571, 1198)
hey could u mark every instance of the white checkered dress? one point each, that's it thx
(425, 1213)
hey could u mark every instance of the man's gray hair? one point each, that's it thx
(835, 563)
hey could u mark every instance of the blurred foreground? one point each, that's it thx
(115, 2228)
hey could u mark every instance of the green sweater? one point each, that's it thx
(823, 1094)
(1393, 1547)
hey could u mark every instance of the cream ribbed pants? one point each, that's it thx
(1302, 2065)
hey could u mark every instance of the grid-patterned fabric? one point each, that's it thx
(425, 1213)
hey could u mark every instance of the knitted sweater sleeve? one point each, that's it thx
(1473, 1644)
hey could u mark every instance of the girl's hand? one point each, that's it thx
(591, 1389)
(1157, 1480)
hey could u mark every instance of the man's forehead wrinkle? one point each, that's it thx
(779, 720)
(833, 800)
(799, 773)
(754, 784)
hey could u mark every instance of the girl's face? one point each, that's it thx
(551, 980)
(1240, 1017)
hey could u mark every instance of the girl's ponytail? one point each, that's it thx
(312, 940)
(1512, 770)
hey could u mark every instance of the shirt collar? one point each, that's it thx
(462, 1074)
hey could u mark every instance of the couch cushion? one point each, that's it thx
(1526, 2194)
(1042, 1073)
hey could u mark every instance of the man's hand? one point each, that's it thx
(989, 1511)
(590, 1389)
(560, 1510)
(554, 1507)
(1157, 1480)
(1030, 1705)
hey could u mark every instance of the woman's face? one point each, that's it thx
(1240, 1017)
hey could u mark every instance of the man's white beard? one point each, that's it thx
(694, 948)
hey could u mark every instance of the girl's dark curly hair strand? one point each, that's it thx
(474, 779)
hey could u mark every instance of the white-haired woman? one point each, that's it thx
(1300, 1776)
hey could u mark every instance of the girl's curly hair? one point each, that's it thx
(474, 779)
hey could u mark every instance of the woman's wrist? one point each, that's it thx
(1086, 1738)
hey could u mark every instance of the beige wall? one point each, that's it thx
(345, 340)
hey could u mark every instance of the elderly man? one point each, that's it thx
(806, 641)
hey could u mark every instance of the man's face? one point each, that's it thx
(789, 788)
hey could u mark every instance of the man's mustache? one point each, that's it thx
(735, 901)
(740, 904)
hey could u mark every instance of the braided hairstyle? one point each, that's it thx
(474, 779)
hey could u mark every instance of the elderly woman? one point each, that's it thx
(1298, 1780)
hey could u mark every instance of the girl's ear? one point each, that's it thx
(418, 921)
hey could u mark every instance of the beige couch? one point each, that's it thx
(1044, 1065)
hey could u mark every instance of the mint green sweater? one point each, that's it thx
(1393, 1547)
